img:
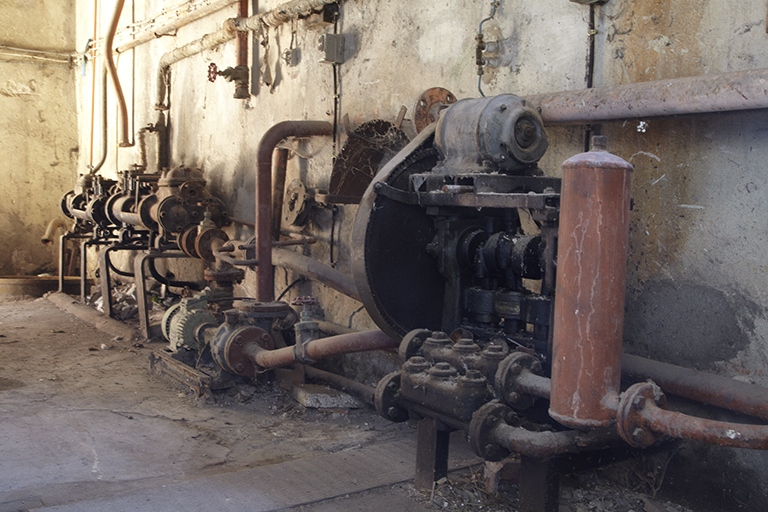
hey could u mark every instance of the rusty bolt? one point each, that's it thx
(489, 448)
(516, 369)
(239, 367)
(502, 107)
(265, 337)
(392, 412)
(392, 386)
(639, 402)
(510, 417)
(491, 421)
(163, 215)
(638, 435)
(514, 397)
(422, 103)
(239, 341)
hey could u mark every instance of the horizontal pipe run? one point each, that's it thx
(282, 14)
(315, 270)
(170, 27)
(354, 388)
(546, 444)
(322, 348)
(702, 387)
(740, 90)
(683, 426)
(534, 385)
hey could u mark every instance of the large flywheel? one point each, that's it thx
(396, 277)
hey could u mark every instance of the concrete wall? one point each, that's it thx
(697, 279)
(38, 130)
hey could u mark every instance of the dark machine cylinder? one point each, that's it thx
(591, 280)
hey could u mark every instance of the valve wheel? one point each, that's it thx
(213, 72)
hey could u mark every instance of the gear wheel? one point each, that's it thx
(182, 333)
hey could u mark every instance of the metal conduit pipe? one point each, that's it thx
(125, 140)
(168, 28)
(740, 90)
(315, 270)
(699, 386)
(683, 426)
(267, 145)
(319, 349)
(354, 388)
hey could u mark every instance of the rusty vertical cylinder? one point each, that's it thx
(591, 279)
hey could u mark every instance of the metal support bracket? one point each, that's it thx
(431, 453)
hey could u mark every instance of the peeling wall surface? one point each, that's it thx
(697, 280)
(38, 128)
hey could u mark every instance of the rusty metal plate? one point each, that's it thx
(429, 105)
(367, 147)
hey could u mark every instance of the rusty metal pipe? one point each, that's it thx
(683, 426)
(591, 281)
(270, 140)
(703, 387)
(546, 444)
(281, 14)
(315, 270)
(354, 388)
(322, 348)
(50, 231)
(534, 385)
(278, 178)
(125, 140)
(726, 92)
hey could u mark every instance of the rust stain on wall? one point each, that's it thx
(651, 40)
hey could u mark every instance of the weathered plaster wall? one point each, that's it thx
(38, 130)
(697, 278)
(696, 294)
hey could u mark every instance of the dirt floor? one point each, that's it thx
(81, 418)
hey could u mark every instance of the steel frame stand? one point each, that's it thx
(539, 484)
(432, 440)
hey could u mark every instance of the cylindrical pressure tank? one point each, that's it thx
(591, 281)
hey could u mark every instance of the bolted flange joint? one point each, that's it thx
(632, 426)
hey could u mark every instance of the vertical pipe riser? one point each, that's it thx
(591, 282)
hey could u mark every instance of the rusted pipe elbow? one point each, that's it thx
(125, 140)
(270, 140)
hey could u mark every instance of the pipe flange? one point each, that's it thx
(204, 242)
(411, 344)
(429, 105)
(505, 381)
(233, 355)
(629, 420)
(484, 420)
(386, 399)
(186, 241)
(229, 275)
(254, 306)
